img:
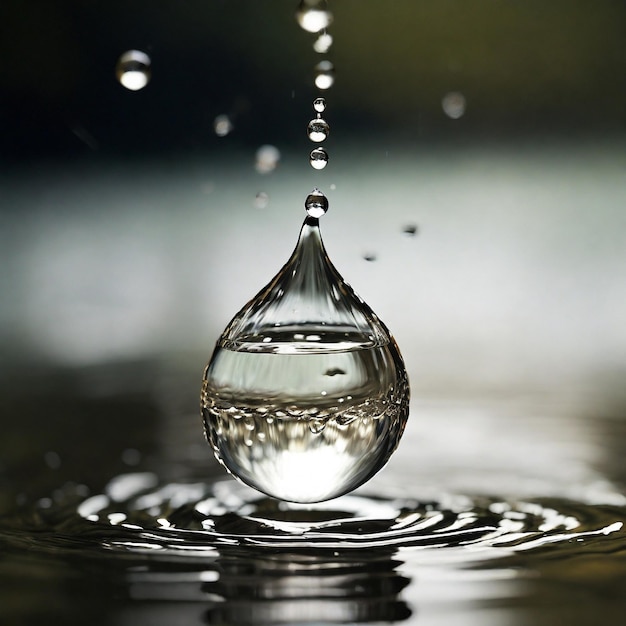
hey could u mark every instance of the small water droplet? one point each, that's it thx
(318, 130)
(313, 15)
(316, 203)
(333, 187)
(410, 230)
(453, 105)
(324, 75)
(267, 158)
(261, 200)
(369, 256)
(323, 43)
(222, 125)
(133, 70)
(318, 158)
(319, 104)
(52, 459)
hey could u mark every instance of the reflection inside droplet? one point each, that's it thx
(133, 70)
(319, 105)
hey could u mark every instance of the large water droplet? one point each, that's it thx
(324, 75)
(318, 130)
(309, 365)
(133, 69)
(318, 158)
(313, 15)
(316, 203)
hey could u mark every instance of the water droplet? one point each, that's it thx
(316, 204)
(313, 15)
(52, 459)
(133, 70)
(318, 158)
(324, 434)
(267, 158)
(324, 75)
(319, 104)
(453, 105)
(323, 43)
(410, 230)
(318, 130)
(261, 200)
(333, 187)
(222, 125)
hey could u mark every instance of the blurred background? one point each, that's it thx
(476, 184)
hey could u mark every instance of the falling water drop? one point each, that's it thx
(324, 75)
(222, 125)
(133, 70)
(267, 158)
(314, 371)
(261, 200)
(318, 158)
(453, 105)
(316, 203)
(323, 43)
(313, 15)
(318, 130)
(319, 105)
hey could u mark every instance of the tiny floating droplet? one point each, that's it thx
(318, 158)
(267, 158)
(324, 75)
(318, 130)
(323, 43)
(133, 70)
(313, 15)
(222, 125)
(319, 104)
(261, 200)
(453, 105)
(316, 203)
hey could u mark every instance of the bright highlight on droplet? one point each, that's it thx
(323, 43)
(316, 203)
(324, 75)
(222, 125)
(453, 105)
(318, 130)
(318, 158)
(267, 158)
(133, 70)
(313, 15)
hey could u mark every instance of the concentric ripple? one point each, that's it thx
(137, 514)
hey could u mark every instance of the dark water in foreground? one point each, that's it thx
(507, 511)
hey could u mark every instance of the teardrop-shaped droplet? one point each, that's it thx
(133, 70)
(318, 130)
(271, 365)
(313, 15)
(316, 204)
(323, 43)
(318, 158)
